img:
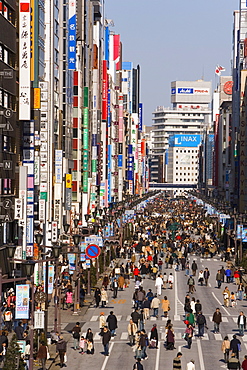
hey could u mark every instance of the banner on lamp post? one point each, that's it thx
(22, 302)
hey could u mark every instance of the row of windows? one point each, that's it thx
(7, 56)
(185, 180)
(192, 156)
(187, 168)
(190, 163)
(7, 100)
(7, 12)
(186, 151)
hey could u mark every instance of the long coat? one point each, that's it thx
(112, 322)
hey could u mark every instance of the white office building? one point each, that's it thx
(176, 133)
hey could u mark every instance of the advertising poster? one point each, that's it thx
(71, 259)
(22, 302)
(244, 234)
(83, 246)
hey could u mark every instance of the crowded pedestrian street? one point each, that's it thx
(170, 298)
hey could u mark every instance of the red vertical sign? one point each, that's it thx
(116, 51)
(104, 90)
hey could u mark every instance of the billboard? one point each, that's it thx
(191, 141)
(190, 91)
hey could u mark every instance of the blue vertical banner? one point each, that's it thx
(72, 35)
(140, 117)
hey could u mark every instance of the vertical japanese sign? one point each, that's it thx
(24, 60)
(140, 117)
(68, 192)
(72, 35)
(104, 90)
(22, 302)
(85, 150)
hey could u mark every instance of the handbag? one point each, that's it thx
(65, 357)
(169, 308)
(47, 353)
(239, 347)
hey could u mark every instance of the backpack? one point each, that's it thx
(191, 281)
(76, 335)
(200, 320)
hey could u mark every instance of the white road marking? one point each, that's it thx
(124, 336)
(218, 336)
(128, 318)
(205, 337)
(245, 345)
(200, 354)
(97, 337)
(153, 318)
(221, 304)
(157, 357)
(178, 336)
(235, 319)
(224, 319)
(94, 318)
(107, 357)
(119, 317)
(209, 285)
(244, 338)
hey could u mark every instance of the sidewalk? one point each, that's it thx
(68, 321)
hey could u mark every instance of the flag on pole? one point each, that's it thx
(219, 69)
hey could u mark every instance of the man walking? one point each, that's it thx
(194, 268)
(217, 319)
(235, 345)
(241, 323)
(218, 279)
(106, 337)
(191, 283)
(115, 288)
(76, 335)
(158, 284)
(155, 305)
(177, 362)
(132, 329)
(201, 322)
(138, 365)
(112, 323)
(206, 275)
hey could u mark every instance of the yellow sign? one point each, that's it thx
(36, 98)
(68, 181)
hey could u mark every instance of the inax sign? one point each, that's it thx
(191, 141)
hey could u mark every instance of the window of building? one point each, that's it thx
(176, 162)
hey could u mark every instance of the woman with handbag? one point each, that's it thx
(170, 338)
(165, 306)
(188, 335)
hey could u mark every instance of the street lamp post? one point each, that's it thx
(76, 240)
(56, 252)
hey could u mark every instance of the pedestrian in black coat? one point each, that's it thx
(112, 323)
(235, 345)
(97, 296)
(106, 337)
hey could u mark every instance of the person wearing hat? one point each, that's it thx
(233, 362)
(191, 365)
(177, 362)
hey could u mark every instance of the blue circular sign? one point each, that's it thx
(92, 251)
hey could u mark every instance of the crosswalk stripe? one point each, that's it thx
(215, 260)
(230, 336)
(124, 336)
(97, 336)
(128, 318)
(218, 336)
(210, 318)
(153, 318)
(178, 336)
(235, 319)
(244, 338)
(205, 337)
(245, 345)
(94, 318)
(163, 336)
(119, 317)
(224, 319)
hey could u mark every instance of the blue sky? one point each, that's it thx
(173, 40)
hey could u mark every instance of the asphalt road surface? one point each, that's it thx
(206, 351)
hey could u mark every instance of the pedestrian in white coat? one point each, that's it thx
(191, 365)
(158, 284)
